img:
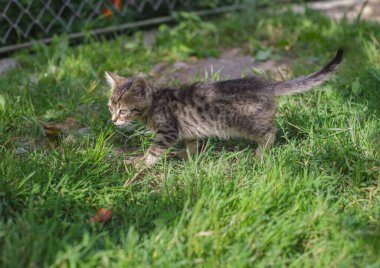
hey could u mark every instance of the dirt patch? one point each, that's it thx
(351, 9)
(231, 64)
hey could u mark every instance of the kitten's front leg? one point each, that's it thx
(162, 142)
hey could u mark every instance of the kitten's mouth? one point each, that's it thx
(121, 124)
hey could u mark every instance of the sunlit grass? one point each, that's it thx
(312, 201)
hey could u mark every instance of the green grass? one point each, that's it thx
(313, 201)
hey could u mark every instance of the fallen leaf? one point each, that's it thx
(52, 130)
(102, 215)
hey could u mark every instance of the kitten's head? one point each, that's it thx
(130, 98)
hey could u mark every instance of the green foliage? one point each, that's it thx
(61, 18)
(313, 201)
(191, 37)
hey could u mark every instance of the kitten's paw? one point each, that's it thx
(150, 160)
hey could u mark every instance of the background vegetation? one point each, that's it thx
(313, 200)
(78, 16)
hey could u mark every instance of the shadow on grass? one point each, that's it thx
(145, 214)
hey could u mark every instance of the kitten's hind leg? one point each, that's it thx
(263, 135)
(264, 142)
(192, 146)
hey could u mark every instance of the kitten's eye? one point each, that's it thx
(110, 108)
(123, 112)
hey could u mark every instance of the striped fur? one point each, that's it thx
(233, 108)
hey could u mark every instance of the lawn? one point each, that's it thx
(312, 201)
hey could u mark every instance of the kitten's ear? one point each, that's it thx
(112, 79)
(139, 88)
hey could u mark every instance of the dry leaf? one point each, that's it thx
(102, 215)
(52, 130)
(136, 177)
(55, 129)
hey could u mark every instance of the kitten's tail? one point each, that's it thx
(305, 83)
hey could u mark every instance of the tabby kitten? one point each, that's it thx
(233, 108)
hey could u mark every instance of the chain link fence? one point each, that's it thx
(22, 21)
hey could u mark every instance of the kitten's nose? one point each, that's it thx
(114, 118)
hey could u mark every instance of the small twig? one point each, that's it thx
(280, 73)
(361, 11)
(137, 176)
